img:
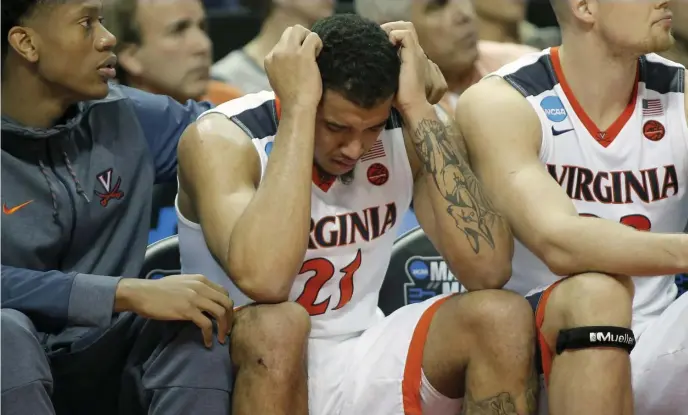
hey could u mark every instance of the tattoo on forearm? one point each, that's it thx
(444, 155)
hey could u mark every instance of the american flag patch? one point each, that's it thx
(377, 151)
(652, 108)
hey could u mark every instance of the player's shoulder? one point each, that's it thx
(492, 110)
(251, 103)
(256, 114)
(662, 75)
(492, 97)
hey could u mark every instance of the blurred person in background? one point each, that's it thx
(505, 21)
(448, 32)
(679, 53)
(244, 67)
(164, 48)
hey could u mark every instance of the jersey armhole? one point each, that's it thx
(544, 147)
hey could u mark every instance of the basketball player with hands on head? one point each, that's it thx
(291, 199)
(588, 162)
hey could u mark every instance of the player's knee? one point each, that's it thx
(23, 358)
(17, 327)
(499, 314)
(274, 332)
(592, 299)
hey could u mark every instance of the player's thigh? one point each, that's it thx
(659, 363)
(385, 375)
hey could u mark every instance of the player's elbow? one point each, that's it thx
(262, 288)
(559, 261)
(552, 249)
(264, 280)
(486, 276)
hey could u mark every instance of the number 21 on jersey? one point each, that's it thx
(324, 271)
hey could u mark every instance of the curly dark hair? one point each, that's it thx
(357, 59)
(13, 14)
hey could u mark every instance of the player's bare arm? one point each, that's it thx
(505, 156)
(450, 203)
(220, 169)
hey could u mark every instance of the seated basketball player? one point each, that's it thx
(297, 194)
(589, 154)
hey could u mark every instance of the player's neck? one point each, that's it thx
(497, 31)
(30, 101)
(601, 81)
(271, 30)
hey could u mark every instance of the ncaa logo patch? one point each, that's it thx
(428, 277)
(268, 148)
(554, 109)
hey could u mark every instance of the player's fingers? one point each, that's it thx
(213, 285)
(298, 35)
(286, 35)
(400, 25)
(409, 49)
(312, 44)
(219, 313)
(401, 37)
(206, 326)
(217, 294)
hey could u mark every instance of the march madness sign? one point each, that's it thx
(428, 277)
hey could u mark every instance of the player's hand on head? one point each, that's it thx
(185, 298)
(417, 72)
(292, 69)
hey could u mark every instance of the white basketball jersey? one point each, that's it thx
(353, 225)
(633, 173)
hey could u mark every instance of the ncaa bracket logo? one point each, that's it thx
(428, 277)
(554, 109)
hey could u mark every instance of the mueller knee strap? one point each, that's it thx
(595, 336)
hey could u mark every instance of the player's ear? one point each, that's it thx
(585, 10)
(25, 42)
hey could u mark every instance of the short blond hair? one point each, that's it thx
(384, 11)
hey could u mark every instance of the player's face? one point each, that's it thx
(344, 132)
(73, 48)
(175, 54)
(447, 32)
(680, 10)
(505, 11)
(640, 26)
